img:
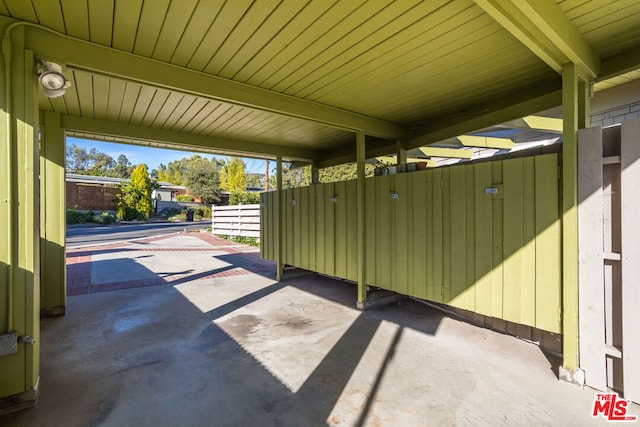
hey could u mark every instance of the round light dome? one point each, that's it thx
(52, 80)
(53, 83)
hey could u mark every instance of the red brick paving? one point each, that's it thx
(79, 264)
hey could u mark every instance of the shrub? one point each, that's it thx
(184, 198)
(104, 218)
(202, 212)
(243, 198)
(76, 217)
(169, 212)
(73, 216)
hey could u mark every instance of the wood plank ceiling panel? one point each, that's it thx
(361, 39)
(156, 104)
(402, 52)
(143, 102)
(76, 18)
(176, 20)
(101, 21)
(367, 56)
(125, 24)
(199, 25)
(116, 95)
(50, 15)
(281, 41)
(101, 93)
(149, 26)
(262, 35)
(84, 89)
(225, 21)
(22, 10)
(609, 26)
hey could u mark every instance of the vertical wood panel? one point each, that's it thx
(297, 238)
(497, 274)
(435, 289)
(456, 293)
(372, 235)
(429, 282)
(289, 227)
(445, 290)
(402, 211)
(304, 227)
(321, 199)
(340, 250)
(351, 232)
(383, 241)
(484, 236)
(512, 228)
(470, 290)
(630, 200)
(329, 229)
(418, 250)
(590, 260)
(548, 255)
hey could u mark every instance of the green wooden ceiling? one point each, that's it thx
(408, 69)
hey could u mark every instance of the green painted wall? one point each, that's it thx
(443, 239)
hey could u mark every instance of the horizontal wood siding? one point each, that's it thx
(480, 237)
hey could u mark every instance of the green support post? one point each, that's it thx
(279, 210)
(401, 153)
(19, 224)
(361, 219)
(53, 295)
(315, 173)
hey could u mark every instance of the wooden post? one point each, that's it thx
(361, 218)
(279, 211)
(401, 153)
(570, 96)
(53, 295)
(266, 175)
(315, 173)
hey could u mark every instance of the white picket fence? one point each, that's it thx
(239, 220)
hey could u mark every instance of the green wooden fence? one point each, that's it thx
(483, 237)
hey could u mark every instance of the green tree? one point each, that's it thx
(234, 174)
(122, 169)
(134, 200)
(201, 179)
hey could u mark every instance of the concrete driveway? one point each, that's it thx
(192, 330)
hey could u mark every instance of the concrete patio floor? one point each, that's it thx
(194, 331)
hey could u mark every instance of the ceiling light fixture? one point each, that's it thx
(53, 82)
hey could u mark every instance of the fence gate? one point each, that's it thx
(238, 220)
(609, 257)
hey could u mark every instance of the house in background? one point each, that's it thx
(87, 192)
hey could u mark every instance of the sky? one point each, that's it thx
(154, 156)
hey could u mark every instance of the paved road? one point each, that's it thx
(80, 236)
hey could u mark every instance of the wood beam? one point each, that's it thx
(388, 159)
(453, 153)
(178, 140)
(83, 55)
(546, 31)
(621, 63)
(485, 142)
(546, 124)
